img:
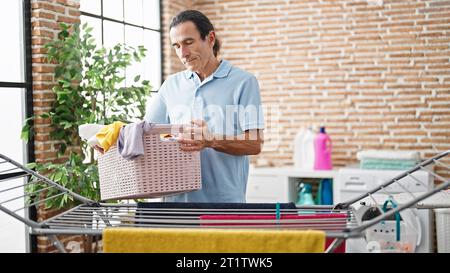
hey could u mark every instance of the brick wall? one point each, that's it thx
(169, 9)
(45, 17)
(375, 73)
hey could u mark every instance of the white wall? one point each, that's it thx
(12, 231)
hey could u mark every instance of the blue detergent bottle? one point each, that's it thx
(326, 191)
(305, 195)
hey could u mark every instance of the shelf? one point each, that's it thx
(280, 184)
(293, 172)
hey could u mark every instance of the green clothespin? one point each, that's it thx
(397, 215)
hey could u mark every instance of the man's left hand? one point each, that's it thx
(195, 136)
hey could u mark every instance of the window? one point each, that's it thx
(15, 91)
(133, 22)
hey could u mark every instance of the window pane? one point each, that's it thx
(151, 14)
(113, 33)
(134, 37)
(12, 237)
(11, 65)
(152, 63)
(113, 9)
(96, 24)
(91, 6)
(133, 12)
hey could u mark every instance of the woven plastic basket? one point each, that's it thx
(163, 170)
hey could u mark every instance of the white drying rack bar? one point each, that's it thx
(439, 200)
(407, 199)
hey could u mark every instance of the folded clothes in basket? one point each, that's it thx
(130, 143)
(88, 132)
(128, 137)
(109, 134)
(188, 240)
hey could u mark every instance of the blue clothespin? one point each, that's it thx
(278, 213)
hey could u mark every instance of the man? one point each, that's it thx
(221, 104)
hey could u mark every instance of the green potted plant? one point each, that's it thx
(88, 90)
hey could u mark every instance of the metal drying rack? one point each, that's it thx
(91, 217)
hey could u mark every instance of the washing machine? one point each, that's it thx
(352, 182)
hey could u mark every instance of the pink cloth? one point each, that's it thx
(271, 217)
(339, 224)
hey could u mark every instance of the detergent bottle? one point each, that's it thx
(305, 195)
(323, 147)
(326, 192)
(304, 153)
(298, 156)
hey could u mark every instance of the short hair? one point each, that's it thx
(203, 24)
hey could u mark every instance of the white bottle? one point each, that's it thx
(304, 153)
(298, 158)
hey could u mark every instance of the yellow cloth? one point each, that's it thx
(108, 135)
(177, 240)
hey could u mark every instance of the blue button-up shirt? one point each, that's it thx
(229, 101)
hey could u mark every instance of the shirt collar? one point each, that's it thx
(221, 72)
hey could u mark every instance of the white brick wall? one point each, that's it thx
(45, 17)
(375, 73)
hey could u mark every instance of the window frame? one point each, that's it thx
(124, 23)
(27, 85)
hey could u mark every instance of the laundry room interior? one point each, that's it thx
(352, 124)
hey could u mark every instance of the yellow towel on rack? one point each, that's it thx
(176, 240)
(107, 136)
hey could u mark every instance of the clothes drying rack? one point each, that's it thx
(91, 217)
